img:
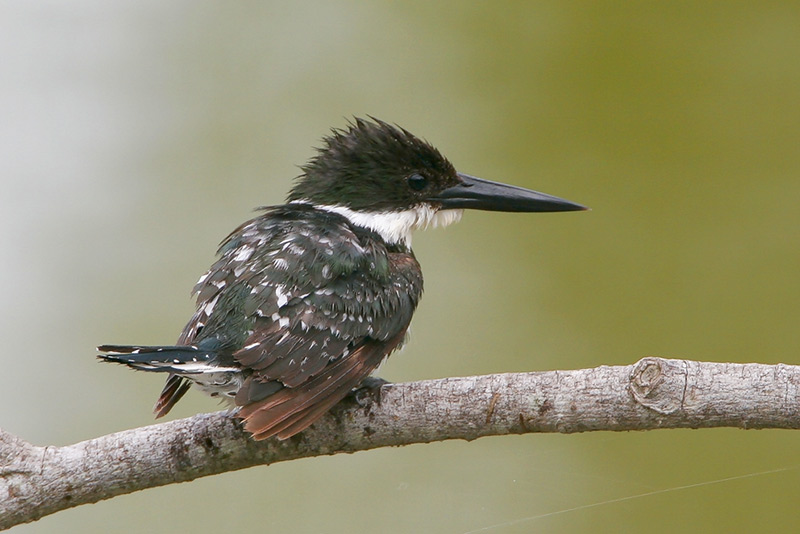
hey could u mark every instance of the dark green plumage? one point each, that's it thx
(297, 293)
(367, 166)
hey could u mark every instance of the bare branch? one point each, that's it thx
(653, 393)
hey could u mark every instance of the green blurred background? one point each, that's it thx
(135, 135)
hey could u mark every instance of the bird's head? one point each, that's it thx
(382, 177)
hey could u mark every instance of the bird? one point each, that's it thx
(308, 298)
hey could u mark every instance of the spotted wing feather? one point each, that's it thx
(307, 306)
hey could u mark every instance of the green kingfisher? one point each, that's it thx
(308, 298)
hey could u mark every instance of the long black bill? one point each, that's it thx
(479, 194)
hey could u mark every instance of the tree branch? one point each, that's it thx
(653, 393)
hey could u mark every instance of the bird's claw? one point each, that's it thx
(369, 390)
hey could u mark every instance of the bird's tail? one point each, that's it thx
(184, 363)
(181, 359)
(178, 361)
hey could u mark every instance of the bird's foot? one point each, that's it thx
(369, 390)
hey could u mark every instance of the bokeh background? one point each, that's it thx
(135, 135)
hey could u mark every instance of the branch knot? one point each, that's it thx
(659, 384)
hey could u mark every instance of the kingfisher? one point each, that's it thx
(308, 298)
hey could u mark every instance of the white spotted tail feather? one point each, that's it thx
(168, 358)
(179, 360)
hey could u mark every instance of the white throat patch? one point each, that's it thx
(396, 226)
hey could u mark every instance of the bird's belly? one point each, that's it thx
(221, 384)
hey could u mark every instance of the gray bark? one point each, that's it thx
(653, 393)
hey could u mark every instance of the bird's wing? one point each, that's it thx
(313, 322)
(331, 340)
(280, 255)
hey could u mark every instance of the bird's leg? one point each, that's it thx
(369, 390)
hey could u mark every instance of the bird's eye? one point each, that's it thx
(417, 182)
